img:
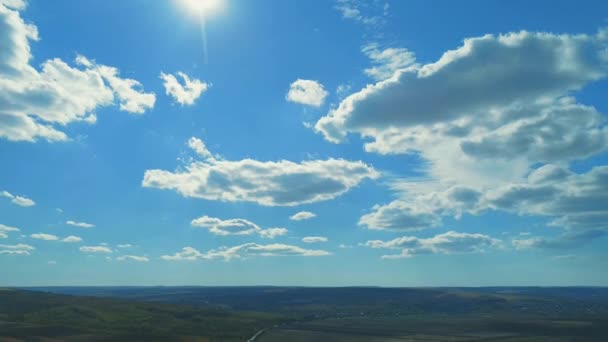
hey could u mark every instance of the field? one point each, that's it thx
(281, 314)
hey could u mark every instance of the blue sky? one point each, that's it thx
(227, 142)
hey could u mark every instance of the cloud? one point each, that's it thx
(306, 92)
(504, 106)
(574, 203)
(79, 224)
(495, 124)
(132, 257)
(570, 240)
(198, 146)
(95, 249)
(399, 216)
(271, 233)
(236, 226)
(387, 61)
(18, 200)
(314, 239)
(130, 96)
(187, 93)
(280, 183)
(4, 230)
(72, 239)
(126, 245)
(244, 251)
(19, 249)
(369, 13)
(446, 243)
(46, 237)
(52, 262)
(253, 249)
(187, 254)
(36, 103)
(302, 215)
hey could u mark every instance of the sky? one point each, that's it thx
(312, 143)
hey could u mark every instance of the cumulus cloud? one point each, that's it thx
(314, 239)
(4, 230)
(491, 121)
(306, 92)
(484, 75)
(185, 94)
(19, 249)
(302, 215)
(18, 200)
(574, 203)
(43, 236)
(244, 251)
(79, 224)
(125, 245)
(503, 107)
(280, 183)
(35, 103)
(133, 258)
(236, 226)
(72, 239)
(95, 249)
(446, 243)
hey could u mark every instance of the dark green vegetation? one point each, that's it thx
(37, 315)
(307, 314)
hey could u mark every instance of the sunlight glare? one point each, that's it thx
(201, 7)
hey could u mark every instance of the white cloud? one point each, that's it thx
(14, 4)
(302, 215)
(187, 254)
(126, 245)
(198, 146)
(95, 249)
(386, 62)
(52, 262)
(72, 239)
(480, 84)
(483, 118)
(271, 233)
(36, 103)
(42, 236)
(244, 251)
(280, 183)
(19, 249)
(131, 98)
(446, 243)
(497, 115)
(573, 202)
(18, 200)
(187, 93)
(314, 239)
(235, 227)
(4, 230)
(307, 92)
(132, 257)
(80, 224)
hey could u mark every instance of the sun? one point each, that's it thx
(201, 7)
